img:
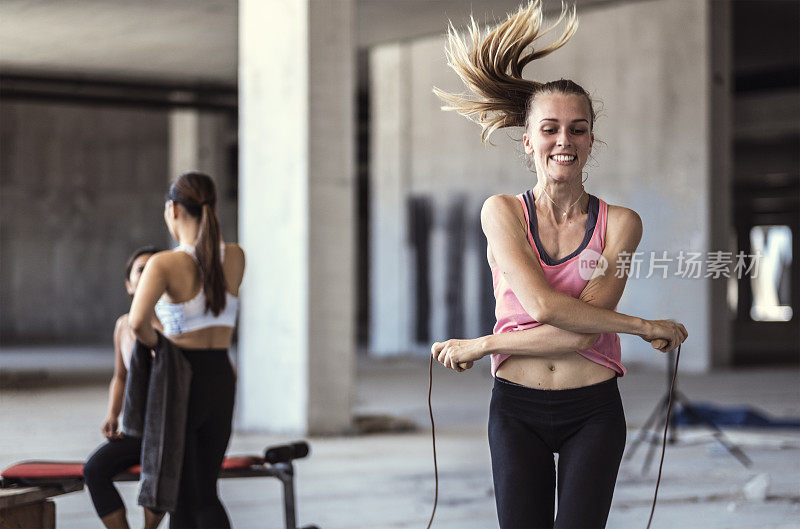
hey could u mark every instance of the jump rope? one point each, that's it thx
(660, 464)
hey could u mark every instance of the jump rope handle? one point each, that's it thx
(659, 343)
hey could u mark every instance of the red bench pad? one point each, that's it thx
(74, 470)
(44, 470)
(241, 462)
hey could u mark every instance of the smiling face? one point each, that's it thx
(558, 136)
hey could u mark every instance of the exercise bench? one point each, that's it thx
(26, 487)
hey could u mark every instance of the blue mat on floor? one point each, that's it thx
(731, 416)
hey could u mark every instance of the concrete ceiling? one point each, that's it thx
(186, 40)
(389, 20)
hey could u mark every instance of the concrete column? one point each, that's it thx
(198, 141)
(296, 215)
(721, 189)
(183, 125)
(184, 141)
(391, 295)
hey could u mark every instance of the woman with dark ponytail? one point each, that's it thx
(194, 291)
(555, 252)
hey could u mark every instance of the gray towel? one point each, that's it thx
(156, 401)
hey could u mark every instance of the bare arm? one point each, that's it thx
(152, 285)
(116, 389)
(504, 226)
(624, 232)
(235, 262)
(506, 234)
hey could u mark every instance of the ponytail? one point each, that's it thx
(490, 64)
(198, 195)
(207, 251)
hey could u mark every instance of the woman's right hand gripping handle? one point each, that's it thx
(664, 335)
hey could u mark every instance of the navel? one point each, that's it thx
(552, 367)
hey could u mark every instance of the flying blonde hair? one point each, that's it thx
(490, 63)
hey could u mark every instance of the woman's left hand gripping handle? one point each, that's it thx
(458, 355)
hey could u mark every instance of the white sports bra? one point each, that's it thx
(127, 352)
(178, 318)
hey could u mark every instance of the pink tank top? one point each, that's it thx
(568, 275)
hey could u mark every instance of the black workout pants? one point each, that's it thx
(110, 458)
(585, 426)
(208, 430)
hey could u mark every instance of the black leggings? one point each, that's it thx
(110, 458)
(208, 430)
(585, 426)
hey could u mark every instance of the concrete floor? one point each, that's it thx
(53, 402)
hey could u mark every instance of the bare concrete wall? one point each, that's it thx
(648, 66)
(81, 188)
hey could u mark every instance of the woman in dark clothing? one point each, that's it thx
(194, 290)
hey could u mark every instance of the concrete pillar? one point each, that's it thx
(296, 215)
(183, 126)
(721, 150)
(198, 141)
(391, 296)
(184, 144)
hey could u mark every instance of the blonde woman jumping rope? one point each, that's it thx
(555, 352)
